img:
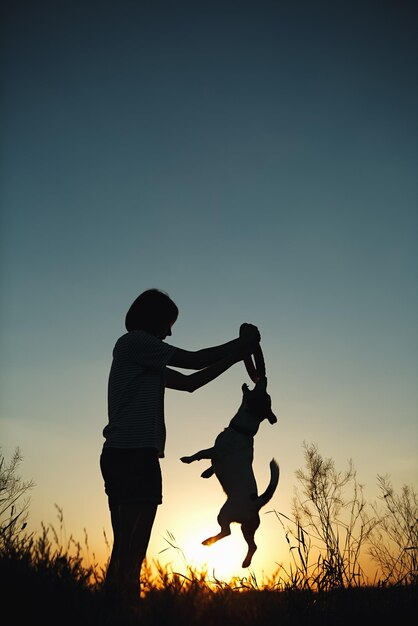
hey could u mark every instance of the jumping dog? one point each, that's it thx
(232, 458)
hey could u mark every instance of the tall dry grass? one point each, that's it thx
(50, 579)
(330, 527)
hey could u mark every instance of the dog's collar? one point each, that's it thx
(240, 430)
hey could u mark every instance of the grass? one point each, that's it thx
(50, 594)
(47, 585)
(45, 582)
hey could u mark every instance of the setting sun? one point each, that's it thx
(223, 559)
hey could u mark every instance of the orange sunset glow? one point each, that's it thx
(257, 161)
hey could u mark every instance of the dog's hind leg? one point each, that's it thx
(224, 521)
(248, 530)
(202, 454)
(225, 531)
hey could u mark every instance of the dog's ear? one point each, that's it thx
(245, 389)
(271, 417)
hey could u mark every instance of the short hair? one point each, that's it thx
(151, 311)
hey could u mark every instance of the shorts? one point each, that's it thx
(131, 475)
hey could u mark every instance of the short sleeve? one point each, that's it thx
(146, 350)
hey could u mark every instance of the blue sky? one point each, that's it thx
(258, 161)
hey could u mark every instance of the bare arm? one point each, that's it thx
(191, 382)
(206, 357)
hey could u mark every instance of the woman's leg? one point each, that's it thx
(111, 582)
(141, 537)
(132, 525)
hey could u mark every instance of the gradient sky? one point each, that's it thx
(258, 161)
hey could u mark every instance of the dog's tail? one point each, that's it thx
(272, 486)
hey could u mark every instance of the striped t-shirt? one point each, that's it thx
(136, 392)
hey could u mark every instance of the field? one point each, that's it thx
(53, 594)
(44, 582)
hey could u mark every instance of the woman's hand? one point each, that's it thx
(249, 332)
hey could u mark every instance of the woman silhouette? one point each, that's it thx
(135, 433)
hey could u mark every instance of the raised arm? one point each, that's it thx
(208, 356)
(191, 382)
(224, 357)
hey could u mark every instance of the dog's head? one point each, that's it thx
(258, 401)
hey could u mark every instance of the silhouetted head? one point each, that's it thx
(258, 401)
(152, 311)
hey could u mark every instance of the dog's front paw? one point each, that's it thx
(208, 473)
(186, 459)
